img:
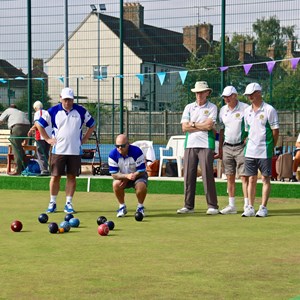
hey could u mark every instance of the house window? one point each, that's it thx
(147, 70)
(102, 71)
(11, 93)
(161, 106)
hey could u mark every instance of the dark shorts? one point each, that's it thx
(65, 164)
(131, 183)
(252, 165)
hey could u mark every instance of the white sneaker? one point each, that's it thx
(228, 210)
(249, 211)
(262, 212)
(122, 211)
(212, 211)
(185, 210)
(141, 209)
(245, 206)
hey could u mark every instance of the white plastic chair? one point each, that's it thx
(147, 148)
(175, 142)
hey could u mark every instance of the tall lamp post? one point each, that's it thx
(102, 7)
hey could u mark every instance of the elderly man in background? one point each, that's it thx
(19, 125)
(42, 146)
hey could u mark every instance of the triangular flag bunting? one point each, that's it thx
(161, 77)
(3, 80)
(140, 77)
(100, 77)
(270, 65)
(61, 78)
(294, 62)
(247, 68)
(223, 69)
(183, 75)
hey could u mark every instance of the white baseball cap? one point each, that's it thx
(251, 88)
(67, 93)
(228, 91)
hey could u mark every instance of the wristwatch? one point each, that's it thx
(193, 125)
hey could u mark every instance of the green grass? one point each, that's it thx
(166, 256)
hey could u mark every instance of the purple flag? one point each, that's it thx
(223, 69)
(294, 62)
(247, 68)
(270, 65)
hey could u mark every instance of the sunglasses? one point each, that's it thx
(121, 146)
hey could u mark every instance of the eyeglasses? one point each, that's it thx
(121, 146)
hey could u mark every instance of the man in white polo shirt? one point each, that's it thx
(231, 146)
(197, 122)
(261, 122)
(66, 120)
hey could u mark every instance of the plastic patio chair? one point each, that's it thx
(175, 142)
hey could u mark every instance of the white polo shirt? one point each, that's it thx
(298, 138)
(259, 124)
(36, 117)
(67, 127)
(198, 114)
(232, 121)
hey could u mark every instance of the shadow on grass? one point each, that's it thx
(285, 212)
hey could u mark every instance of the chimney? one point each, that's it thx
(290, 48)
(192, 35)
(134, 12)
(206, 32)
(250, 48)
(38, 63)
(242, 51)
(271, 52)
(190, 38)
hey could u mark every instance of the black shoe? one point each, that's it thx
(293, 179)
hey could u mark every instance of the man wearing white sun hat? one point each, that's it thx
(197, 122)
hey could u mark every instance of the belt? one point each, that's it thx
(233, 145)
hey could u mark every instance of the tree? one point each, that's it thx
(37, 94)
(271, 34)
(207, 69)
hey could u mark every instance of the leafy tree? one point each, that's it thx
(271, 34)
(37, 94)
(207, 69)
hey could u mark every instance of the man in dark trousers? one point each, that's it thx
(19, 125)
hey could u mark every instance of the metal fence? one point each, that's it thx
(160, 126)
(134, 67)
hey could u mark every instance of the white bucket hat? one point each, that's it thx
(228, 91)
(201, 86)
(251, 88)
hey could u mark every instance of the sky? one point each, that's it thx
(48, 20)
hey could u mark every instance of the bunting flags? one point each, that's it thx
(161, 77)
(270, 66)
(183, 75)
(140, 77)
(247, 68)
(294, 62)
